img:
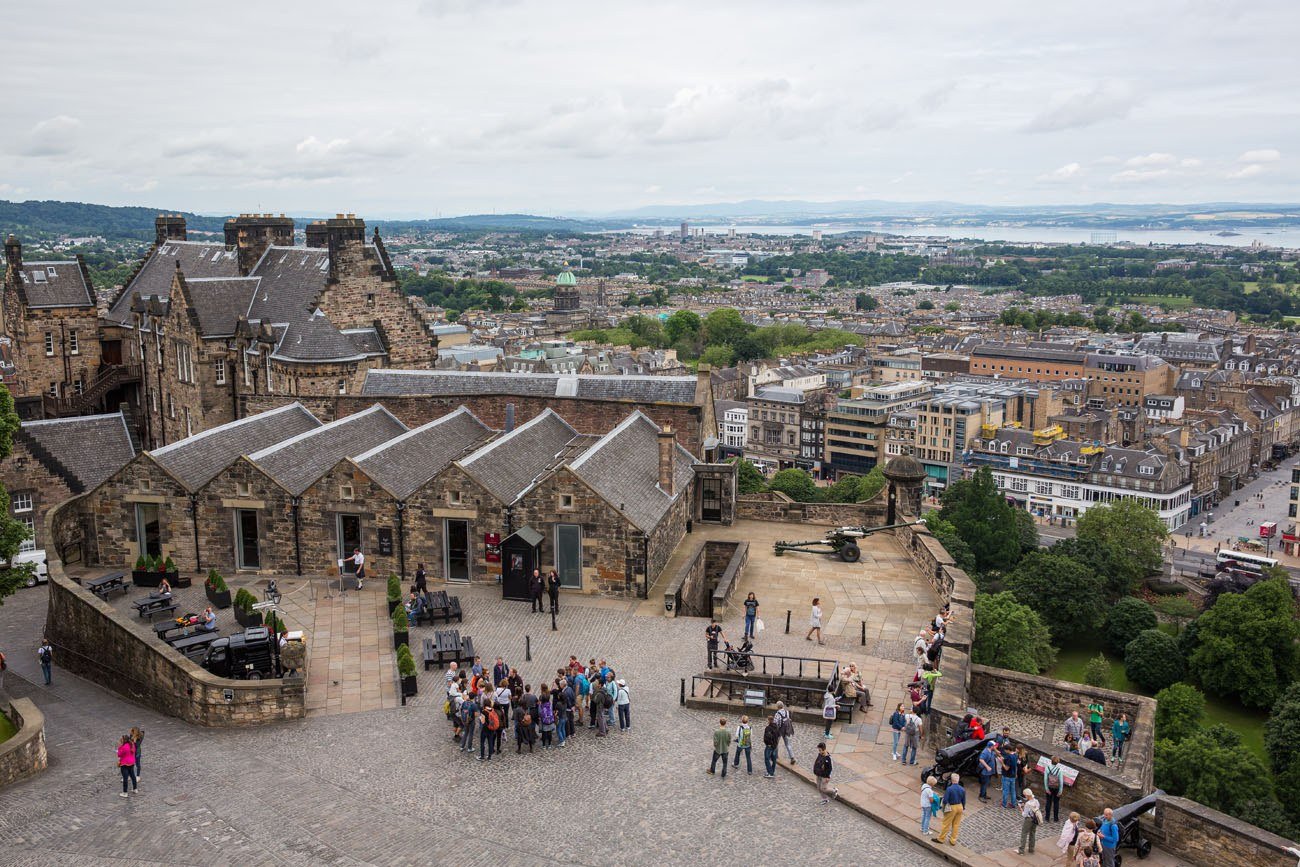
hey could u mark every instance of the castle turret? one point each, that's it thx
(251, 234)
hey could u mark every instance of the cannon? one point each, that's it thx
(841, 542)
(1130, 832)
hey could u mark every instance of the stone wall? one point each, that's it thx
(23, 754)
(95, 642)
(1204, 836)
(24, 473)
(702, 586)
(775, 506)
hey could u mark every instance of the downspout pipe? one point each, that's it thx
(294, 502)
(401, 539)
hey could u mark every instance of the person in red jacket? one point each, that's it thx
(126, 764)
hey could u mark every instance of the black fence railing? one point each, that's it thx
(793, 666)
(743, 689)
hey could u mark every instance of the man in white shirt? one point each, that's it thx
(359, 559)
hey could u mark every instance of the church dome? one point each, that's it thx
(566, 278)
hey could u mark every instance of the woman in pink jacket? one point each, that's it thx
(126, 764)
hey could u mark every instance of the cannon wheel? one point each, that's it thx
(1143, 849)
(850, 553)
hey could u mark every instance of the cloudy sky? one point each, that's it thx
(432, 107)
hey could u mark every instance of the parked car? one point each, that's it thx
(40, 574)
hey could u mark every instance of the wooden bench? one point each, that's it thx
(467, 651)
(161, 609)
(439, 606)
(446, 646)
(430, 654)
(844, 708)
(161, 629)
(106, 584)
(195, 645)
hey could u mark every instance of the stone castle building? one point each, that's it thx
(201, 324)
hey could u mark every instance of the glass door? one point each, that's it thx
(148, 533)
(710, 499)
(246, 547)
(456, 538)
(568, 554)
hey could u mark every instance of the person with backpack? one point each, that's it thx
(126, 764)
(624, 703)
(45, 653)
(897, 721)
(489, 724)
(469, 713)
(583, 689)
(721, 747)
(771, 742)
(524, 731)
(1053, 785)
(570, 708)
(912, 726)
(1030, 818)
(1108, 837)
(1087, 851)
(546, 717)
(598, 710)
(502, 698)
(785, 723)
(744, 741)
(611, 697)
(822, 770)
(930, 803)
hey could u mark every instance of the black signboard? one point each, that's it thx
(385, 542)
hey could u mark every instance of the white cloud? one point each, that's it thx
(1265, 155)
(1076, 109)
(1250, 171)
(1139, 176)
(1064, 173)
(1152, 159)
(52, 137)
(1190, 163)
(652, 189)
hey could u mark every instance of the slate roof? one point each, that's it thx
(404, 464)
(623, 467)
(655, 389)
(292, 280)
(366, 340)
(300, 460)
(510, 464)
(218, 301)
(83, 450)
(55, 284)
(195, 460)
(315, 339)
(198, 259)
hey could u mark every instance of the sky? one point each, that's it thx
(429, 108)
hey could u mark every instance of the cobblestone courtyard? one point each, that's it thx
(386, 786)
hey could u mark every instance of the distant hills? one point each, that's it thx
(46, 220)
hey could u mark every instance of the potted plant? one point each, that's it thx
(406, 669)
(401, 627)
(142, 575)
(244, 613)
(394, 593)
(216, 590)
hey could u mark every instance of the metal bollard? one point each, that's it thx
(553, 626)
(787, 621)
(528, 648)
(683, 692)
(864, 633)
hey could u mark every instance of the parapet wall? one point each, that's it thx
(1203, 836)
(776, 506)
(94, 641)
(23, 754)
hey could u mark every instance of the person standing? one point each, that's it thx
(624, 703)
(137, 744)
(1069, 831)
(771, 742)
(744, 740)
(751, 614)
(988, 766)
(1010, 775)
(953, 805)
(599, 710)
(45, 653)
(912, 726)
(930, 802)
(421, 579)
(897, 722)
(469, 713)
(1073, 727)
(1030, 819)
(1053, 785)
(489, 723)
(1095, 711)
(360, 560)
(1119, 732)
(721, 747)
(553, 591)
(535, 587)
(830, 710)
(502, 698)
(815, 621)
(822, 770)
(546, 717)
(712, 633)
(785, 723)
(126, 764)
(1108, 834)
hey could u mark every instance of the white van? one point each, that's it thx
(40, 574)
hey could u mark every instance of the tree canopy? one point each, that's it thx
(12, 532)
(1245, 645)
(1126, 619)
(1179, 708)
(1214, 772)
(984, 520)
(795, 484)
(1010, 635)
(1152, 660)
(748, 479)
(1066, 594)
(1133, 533)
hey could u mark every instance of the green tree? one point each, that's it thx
(1179, 708)
(1221, 776)
(724, 325)
(1026, 531)
(795, 484)
(925, 305)
(952, 307)
(1010, 635)
(1066, 594)
(1282, 733)
(1132, 532)
(12, 532)
(1152, 660)
(748, 479)
(1097, 671)
(1127, 618)
(1099, 558)
(1245, 645)
(683, 325)
(947, 536)
(863, 301)
(856, 489)
(718, 355)
(983, 519)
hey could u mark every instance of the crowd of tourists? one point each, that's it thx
(495, 703)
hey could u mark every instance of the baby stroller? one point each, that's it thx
(739, 660)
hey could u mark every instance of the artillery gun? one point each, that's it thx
(841, 541)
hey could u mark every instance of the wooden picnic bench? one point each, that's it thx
(161, 629)
(439, 606)
(106, 584)
(154, 604)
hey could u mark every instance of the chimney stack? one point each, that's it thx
(345, 234)
(14, 253)
(666, 444)
(252, 234)
(510, 417)
(317, 234)
(169, 227)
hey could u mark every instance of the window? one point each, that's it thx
(171, 406)
(270, 385)
(53, 390)
(370, 299)
(28, 544)
(22, 502)
(49, 343)
(1147, 471)
(1043, 488)
(1021, 485)
(1070, 491)
(189, 426)
(78, 385)
(74, 347)
(455, 498)
(243, 489)
(219, 368)
(566, 501)
(145, 486)
(248, 373)
(346, 492)
(343, 386)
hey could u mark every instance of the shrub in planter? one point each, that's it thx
(144, 575)
(244, 613)
(401, 627)
(274, 623)
(406, 669)
(216, 590)
(394, 593)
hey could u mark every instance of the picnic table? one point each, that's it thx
(179, 624)
(447, 645)
(155, 603)
(438, 606)
(195, 645)
(106, 584)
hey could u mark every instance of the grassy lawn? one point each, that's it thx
(1175, 302)
(1246, 722)
(7, 729)
(754, 278)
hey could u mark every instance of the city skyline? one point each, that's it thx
(445, 107)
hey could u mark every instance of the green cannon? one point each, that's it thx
(842, 541)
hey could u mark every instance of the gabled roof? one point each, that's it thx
(623, 467)
(655, 389)
(54, 284)
(83, 450)
(404, 464)
(300, 460)
(198, 259)
(292, 280)
(315, 338)
(512, 463)
(218, 301)
(195, 460)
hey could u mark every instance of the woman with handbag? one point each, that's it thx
(830, 710)
(1030, 818)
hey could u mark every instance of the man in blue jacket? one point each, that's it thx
(954, 805)
(1108, 834)
(988, 766)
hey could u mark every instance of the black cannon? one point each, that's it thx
(1130, 833)
(960, 758)
(842, 542)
